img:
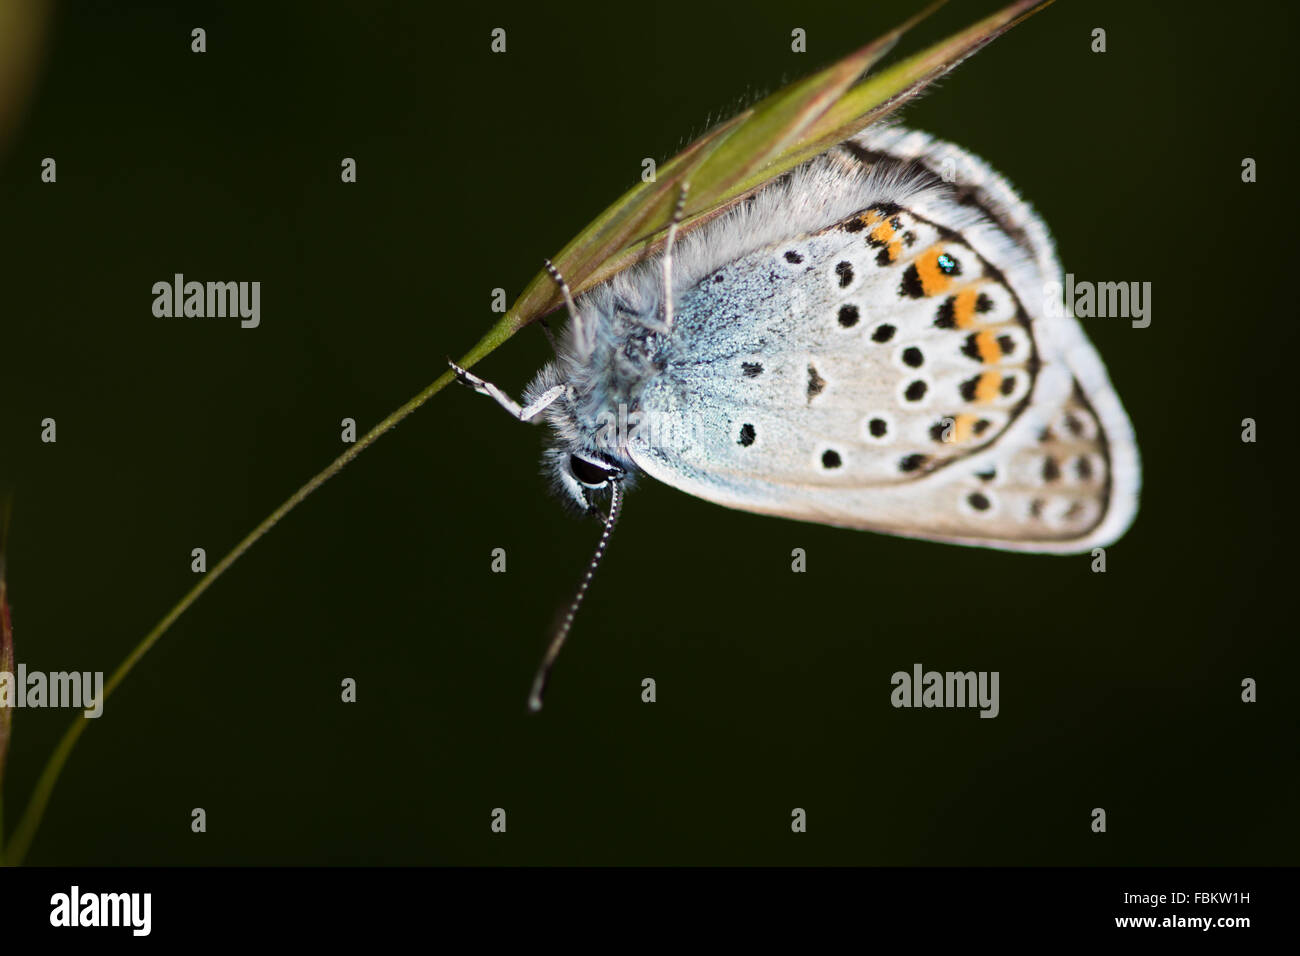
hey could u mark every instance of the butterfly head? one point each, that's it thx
(585, 475)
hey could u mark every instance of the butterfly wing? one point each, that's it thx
(878, 342)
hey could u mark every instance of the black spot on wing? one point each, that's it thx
(815, 383)
(944, 318)
(911, 284)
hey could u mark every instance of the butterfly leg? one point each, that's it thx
(655, 325)
(668, 255)
(546, 329)
(523, 413)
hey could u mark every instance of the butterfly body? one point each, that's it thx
(869, 342)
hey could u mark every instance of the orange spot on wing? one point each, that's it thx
(987, 344)
(963, 307)
(986, 389)
(933, 279)
(886, 235)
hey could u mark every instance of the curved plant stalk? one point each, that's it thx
(723, 166)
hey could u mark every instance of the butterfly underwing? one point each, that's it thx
(870, 342)
(876, 340)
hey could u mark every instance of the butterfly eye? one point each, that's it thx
(590, 473)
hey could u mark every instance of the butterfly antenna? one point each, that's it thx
(557, 642)
(569, 304)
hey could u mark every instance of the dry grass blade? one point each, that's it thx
(765, 141)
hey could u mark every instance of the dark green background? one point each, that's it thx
(1118, 690)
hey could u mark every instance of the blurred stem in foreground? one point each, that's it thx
(6, 658)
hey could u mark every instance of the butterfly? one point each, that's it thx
(875, 340)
